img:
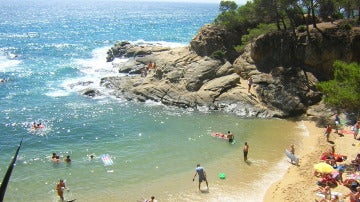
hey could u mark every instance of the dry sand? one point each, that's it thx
(299, 183)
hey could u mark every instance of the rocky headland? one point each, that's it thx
(284, 68)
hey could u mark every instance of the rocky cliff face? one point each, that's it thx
(315, 53)
(284, 68)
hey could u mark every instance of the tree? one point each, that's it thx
(227, 6)
(239, 19)
(343, 92)
(327, 8)
(310, 5)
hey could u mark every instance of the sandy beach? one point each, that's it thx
(299, 183)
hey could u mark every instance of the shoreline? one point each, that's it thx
(299, 183)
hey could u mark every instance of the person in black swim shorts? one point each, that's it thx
(246, 150)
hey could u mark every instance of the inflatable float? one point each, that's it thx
(220, 135)
(106, 159)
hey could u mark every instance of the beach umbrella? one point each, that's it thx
(323, 168)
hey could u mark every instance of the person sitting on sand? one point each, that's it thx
(356, 161)
(352, 184)
(326, 191)
(354, 195)
(334, 199)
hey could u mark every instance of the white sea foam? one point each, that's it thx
(153, 103)
(96, 67)
(92, 69)
(158, 43)
(8, 64)
(57, 93)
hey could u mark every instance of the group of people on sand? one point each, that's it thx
(337, 126)
(335, 177)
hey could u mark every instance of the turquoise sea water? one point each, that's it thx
(47, 47)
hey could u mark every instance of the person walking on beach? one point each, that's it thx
(327, 132)
(337, 123)
(245, 150)
(250, 82)
(60, 189)
(202, 175)
(356, 129)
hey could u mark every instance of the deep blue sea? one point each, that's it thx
(47, 47)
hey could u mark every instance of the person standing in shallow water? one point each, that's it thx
(202, 175)
(230, 136)
(292, 151)
(67, 160)
(60, 189)
(245, 150)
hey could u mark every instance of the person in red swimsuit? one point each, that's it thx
(60, 189)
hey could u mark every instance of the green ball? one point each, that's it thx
(222, 176)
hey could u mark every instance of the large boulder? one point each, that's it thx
(211, 38)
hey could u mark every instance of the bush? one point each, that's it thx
(337, 16)
(301, 28)
(343, 92)
(219, 55)
(256, 32)
(345, 26)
